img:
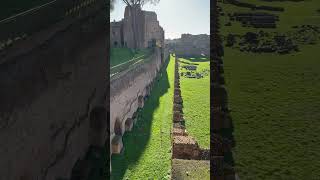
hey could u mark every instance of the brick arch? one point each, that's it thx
(98, 126)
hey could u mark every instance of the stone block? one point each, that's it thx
(185, 147)
(117, 144)
(178, 99)
(177, 116)
(129, 124)
(179, 131)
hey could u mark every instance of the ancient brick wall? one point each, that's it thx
(193, 45)
(144, 24)
(127, 91)
(51, 97)
(116, 34)
(221, 139)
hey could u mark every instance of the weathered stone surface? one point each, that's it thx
(129, 124)
(116, 144)
(179, 132)
(178, 99)
(185, 147)
(143, 23)
(128, 89)
(177, 107)
(193, 45)
(52, 90)
(177, 116)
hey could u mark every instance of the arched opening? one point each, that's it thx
(129, 124)
(115, 43)
(140, 101)
(117, 127)
(98, 126)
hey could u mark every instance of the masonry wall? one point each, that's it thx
(126, 89)
(193, 45)
(47, 98)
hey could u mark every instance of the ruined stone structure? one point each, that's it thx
(143, 23)
(221, 139)
(53, 89)
(192, 45)
(128, 91)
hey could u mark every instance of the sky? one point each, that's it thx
(175, 16)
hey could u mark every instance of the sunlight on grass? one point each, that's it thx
(196, 101)
(147, 152)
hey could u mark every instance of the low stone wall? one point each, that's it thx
(184, 146)
(127, 93)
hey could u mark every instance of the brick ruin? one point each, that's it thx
(146, 26)
(191, 45)
(183, 145)
(256, 20)
(221, 123)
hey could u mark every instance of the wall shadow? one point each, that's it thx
(135, 141)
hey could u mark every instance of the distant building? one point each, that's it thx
(147, 29)
(191, 45)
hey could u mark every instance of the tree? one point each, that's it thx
(139, 2)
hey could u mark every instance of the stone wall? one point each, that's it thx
(127, 92)
(116, 34)
(52, 97)
(144, 24)
(18, 27)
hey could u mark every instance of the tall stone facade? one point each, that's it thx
(143, 24)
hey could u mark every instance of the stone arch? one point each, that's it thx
(128, 124)
(117, 127)
(98, 126)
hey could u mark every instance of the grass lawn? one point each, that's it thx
(275, 102)
(196, 101)
(122, 58)
(122, 55)
(190, 169)
(147, 153)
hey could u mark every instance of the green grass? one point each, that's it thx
(196, 102)
(122, 55)
(190, 169)
(147, 153)
(275, 102)
(123, 58)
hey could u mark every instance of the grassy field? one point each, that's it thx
(122, 55)
(190, 169)
(123, 58)
(147, 153)
(275, 102)
(196, 102)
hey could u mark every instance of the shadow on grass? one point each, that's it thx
(135, 141)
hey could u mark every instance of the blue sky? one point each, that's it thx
(175, 16)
